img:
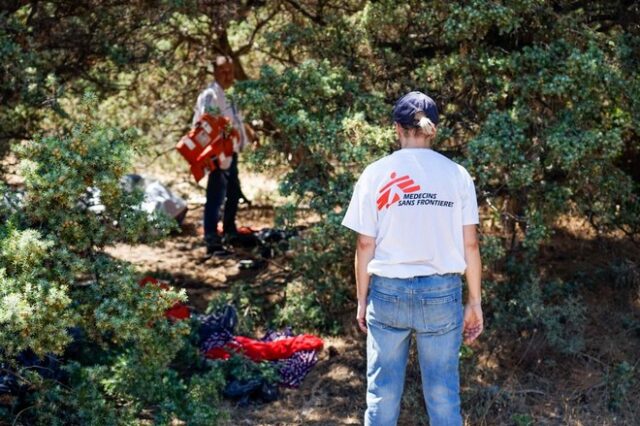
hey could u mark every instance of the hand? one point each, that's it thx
(473, 322)
(360, 316)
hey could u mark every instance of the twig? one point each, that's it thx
(15, 373)
(536, 391)
(526, 351)
(274, 263)
(579, 392)
(521, 219)
(15, 419)
(158, 155)
(592, 358)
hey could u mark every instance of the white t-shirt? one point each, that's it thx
(414, 202)
(213, 96)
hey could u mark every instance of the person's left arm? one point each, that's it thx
(473, 318)
(252, 136)
(365, 249)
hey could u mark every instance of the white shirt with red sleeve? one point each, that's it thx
(414, 202)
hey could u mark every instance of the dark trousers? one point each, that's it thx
(221, 184)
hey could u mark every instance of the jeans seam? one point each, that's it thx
(438, 300)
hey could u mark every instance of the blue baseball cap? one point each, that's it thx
(405, 109)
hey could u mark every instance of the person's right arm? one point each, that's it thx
(473, 319)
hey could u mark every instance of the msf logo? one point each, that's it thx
(392, 192)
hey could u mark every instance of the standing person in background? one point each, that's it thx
(415, 212)
(223, 182)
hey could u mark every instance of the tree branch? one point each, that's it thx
(247, 47)
(317, 19)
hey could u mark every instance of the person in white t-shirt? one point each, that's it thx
(223, 183)
(415, 212)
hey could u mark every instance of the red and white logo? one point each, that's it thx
(392, 192)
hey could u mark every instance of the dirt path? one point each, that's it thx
(504, 383)
(180, 258)
(332, 394)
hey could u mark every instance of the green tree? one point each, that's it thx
(538, 99)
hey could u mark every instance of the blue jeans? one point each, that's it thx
(216, 192)
(432, 307)
(222, 184)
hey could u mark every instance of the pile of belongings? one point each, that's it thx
(157, 197)
(274, 240)
(293, 356)
(269, 241)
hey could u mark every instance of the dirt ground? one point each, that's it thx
(499, 385)
(331, 392)
(504, 383)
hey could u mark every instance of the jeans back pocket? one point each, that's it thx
(441, 313)
(382, 307)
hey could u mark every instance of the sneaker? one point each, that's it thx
(230, 238)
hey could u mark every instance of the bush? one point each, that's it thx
(56, 280)
(535, 102)
(554, 308)
(247, 303)
(619, 381)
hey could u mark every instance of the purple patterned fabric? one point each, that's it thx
(214, 332)
(295, 369)
(292, 370)
(216, 339)
(272, 335)
(217, 330)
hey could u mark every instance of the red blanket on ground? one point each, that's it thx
(258, 350)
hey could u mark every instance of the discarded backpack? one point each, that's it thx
(157, 197)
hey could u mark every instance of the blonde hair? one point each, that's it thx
(423, 125)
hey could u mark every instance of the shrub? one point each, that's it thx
(553, 308)
(540, 110)
(619, 382)
(56, 280)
